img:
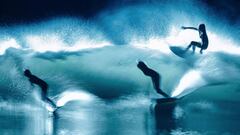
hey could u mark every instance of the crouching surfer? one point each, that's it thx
(42, 84)
(154, 76)
(202, 34)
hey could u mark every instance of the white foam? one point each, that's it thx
(72, 95)
(8, 43)
(54, 43)
(189, 82)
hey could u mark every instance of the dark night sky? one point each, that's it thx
(17, 11)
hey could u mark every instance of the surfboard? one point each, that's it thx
(181, 52)
(169, 100)
(165, 100)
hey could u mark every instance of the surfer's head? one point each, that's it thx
(27, 72)
(202, 27)
(141, 65)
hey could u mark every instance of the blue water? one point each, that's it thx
(90, 67)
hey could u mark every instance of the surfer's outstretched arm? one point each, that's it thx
(192, 28)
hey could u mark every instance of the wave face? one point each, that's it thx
(98, 56)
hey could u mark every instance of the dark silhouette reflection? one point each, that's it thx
(154, 76)
(164, 117)
(55, 125)
(51, 125)
(42, 84)
(202, 34)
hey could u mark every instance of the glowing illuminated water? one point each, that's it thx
(191, 116)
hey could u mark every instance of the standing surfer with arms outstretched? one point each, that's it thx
(154, 76)
(202, 34)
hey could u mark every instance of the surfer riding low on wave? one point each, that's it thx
(204, 38)
(42, 84)
(154, 76)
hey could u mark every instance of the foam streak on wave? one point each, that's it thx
(189, 82)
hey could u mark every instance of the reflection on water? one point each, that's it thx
(164, 118)
(179, 118)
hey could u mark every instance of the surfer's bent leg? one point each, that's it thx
(156, 81)
(188, 47)
(46, 99)
(193, 44)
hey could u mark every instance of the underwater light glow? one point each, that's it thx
(73, 95)
(190, 81)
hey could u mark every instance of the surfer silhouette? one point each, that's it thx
(154, 76)
(202, 34)
(42, 84)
